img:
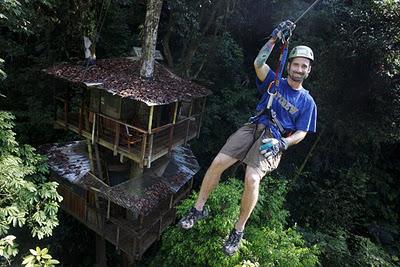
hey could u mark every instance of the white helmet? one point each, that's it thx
(301, 51)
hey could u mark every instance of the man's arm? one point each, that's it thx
(282, 30)
(295, 138)
(272, 146)
(260, 65)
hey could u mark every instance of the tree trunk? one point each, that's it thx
(150, 38)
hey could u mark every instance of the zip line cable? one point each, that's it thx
(306, 11)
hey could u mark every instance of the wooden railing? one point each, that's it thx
(141, 145)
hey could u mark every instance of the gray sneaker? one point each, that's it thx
(232, 244)
(188, 221)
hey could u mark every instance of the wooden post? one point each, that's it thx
(171, 137)
(89, 143)
(171, 130)
(175, 112)
(150, 122)
(150, 150)
(98, 163)
(90, 153)
(143, 152)
(116, 139)
(94, 127)
(108, 208)
(101, 260)
(188, 126)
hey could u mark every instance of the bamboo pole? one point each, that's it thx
(150, 150)
(90, 153)
(98, 163)
(116, 139)
(188, 126)
(175, 112)
(108, 208)
(150, 123)
(171, 138)
(171, 130)
(143, 152)
(94, 126)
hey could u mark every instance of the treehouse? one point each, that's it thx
(111, 105)
(133, 165)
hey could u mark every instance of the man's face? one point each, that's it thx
(298, 69)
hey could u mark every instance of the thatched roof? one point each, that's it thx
(121, 77)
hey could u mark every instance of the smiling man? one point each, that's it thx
(260, 143)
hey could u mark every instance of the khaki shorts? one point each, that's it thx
(244, 145)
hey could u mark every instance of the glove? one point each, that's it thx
(284, 30)
(272, 146)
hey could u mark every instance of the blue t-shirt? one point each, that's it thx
(295, 109)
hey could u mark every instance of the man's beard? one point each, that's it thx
(297, 77)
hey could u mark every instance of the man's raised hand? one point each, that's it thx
(284, 30)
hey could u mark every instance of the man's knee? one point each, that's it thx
(252, 178)
(221, 162)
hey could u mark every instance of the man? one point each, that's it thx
(260, 143)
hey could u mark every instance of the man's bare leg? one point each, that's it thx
(249, 197)
(249, 201)
(220, 163)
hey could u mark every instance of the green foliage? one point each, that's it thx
(277, 247)
(202, 245)
(270, 212)
(8, 249)
(39, 258)
(366, 253)
(344, 249)
(27, 198)
(263, 246)
(22, 18)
